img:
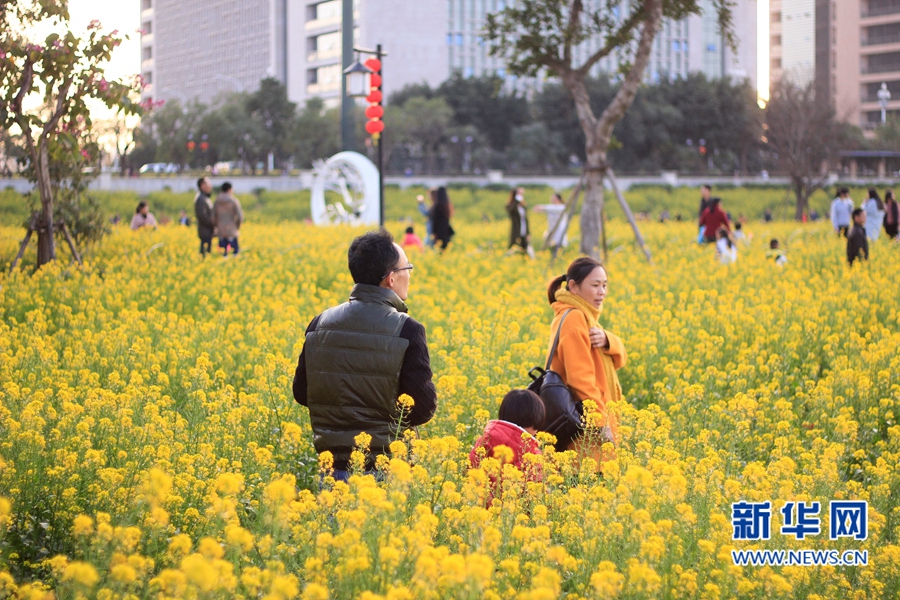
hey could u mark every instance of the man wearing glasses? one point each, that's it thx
(359, 357)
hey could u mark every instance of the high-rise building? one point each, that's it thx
(199, 48)
(847, 48)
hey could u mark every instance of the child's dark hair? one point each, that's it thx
(773, 244)
(522, 407)
(410, 230)
(577, 272)
(738, 226)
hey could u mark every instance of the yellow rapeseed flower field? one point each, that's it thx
(150, 446)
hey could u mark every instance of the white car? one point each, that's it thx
(159, 168)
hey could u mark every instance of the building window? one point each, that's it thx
(146, 4)
(147, 77)
(776, 17)
(312, 76)
(882, 63)
(147, 27)
(146, 53)
(333, 9)
(776, 63)
(776, 40)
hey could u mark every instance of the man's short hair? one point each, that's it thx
(857, 212)
(842, 191)
(371, 256)
(200, 183)
(226, 187)
(707, 186)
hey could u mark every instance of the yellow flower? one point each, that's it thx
(81, 573)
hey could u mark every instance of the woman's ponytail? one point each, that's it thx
(554, 287)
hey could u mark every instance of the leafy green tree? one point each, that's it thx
(317, 133)
(482, 103)
(274, 116)
(419, 126)
(539, 36)
(45, 89)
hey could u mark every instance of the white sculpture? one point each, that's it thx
(350, 181)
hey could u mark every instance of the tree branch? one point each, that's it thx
(616, 109)
(621, 36)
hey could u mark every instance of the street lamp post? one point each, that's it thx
(358, 84)
(884, 96)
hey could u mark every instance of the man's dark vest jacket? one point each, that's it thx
(353, 361)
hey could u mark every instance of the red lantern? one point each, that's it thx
(374, 112)
(374, 65)
(374, 127)
(374, 97)
(191, 145)
(375, 80)
(204, 146)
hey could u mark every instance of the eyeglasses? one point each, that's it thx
(409, 267)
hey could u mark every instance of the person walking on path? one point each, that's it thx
(440, 214)
(841, 210)
(857, 241)
(143, 217)
(557, 224)
(587, 356)
(891, 215)
(874, 208)
(203, 210)
(361, 356)
(713, 219)
(227, 218)
(519, 233)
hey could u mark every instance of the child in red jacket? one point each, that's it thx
(411, 239)
(521, 413)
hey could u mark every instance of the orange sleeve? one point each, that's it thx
(616, 350)
(574, 352)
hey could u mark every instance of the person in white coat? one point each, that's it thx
(557, 223)
(874, 208)
(841, 209)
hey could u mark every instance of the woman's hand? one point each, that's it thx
(598, 338)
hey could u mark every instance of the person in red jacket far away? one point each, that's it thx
(521, 413)
(714, 218)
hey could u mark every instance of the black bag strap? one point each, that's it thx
(556, 341)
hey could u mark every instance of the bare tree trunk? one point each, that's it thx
(802, 196)
(46, 241)
(591, 210)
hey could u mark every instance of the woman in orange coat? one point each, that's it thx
(587, 356)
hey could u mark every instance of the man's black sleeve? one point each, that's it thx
(415, 374)
(300, 374)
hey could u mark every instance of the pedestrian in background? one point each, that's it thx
(203, 210)
(713, 219)
(891, 215)
(143, 217)
(557, 224)
(423, 210)
(725, 247)
(857, 242)
(874, 208)
(227, 218)
(841, 211)
(519, 234)
(440, 214)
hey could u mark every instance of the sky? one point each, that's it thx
(124, 15)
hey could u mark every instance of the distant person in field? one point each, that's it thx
(227, 218)
(519, 419)
(519, 233)
(874, 208)
(423, 210)
(776, 254)
(588, 356)
(841, 211)
(713, 219)
(203, 210)
(891, 215)
(857, 241)
(361, 356)
(557, 224)
(767, 215)
(440, 214)
(726, 249)
(705, 199)
(143, 217)
(411, 240)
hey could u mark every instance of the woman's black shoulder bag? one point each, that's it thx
(563, 410)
